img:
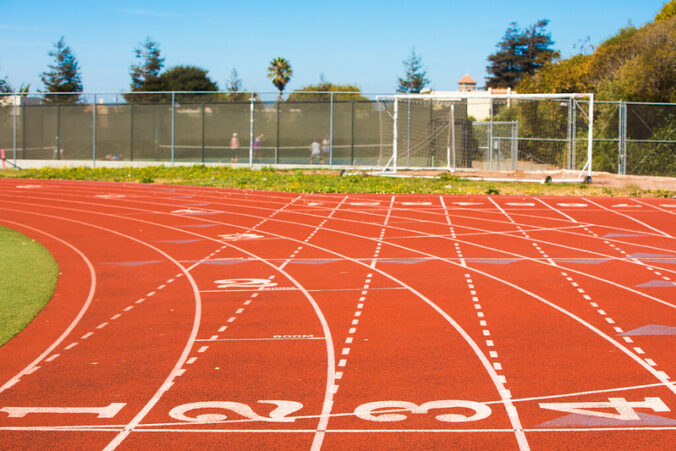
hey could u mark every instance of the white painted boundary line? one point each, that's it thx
(511, 411)
(186, 350)
(90, 295)
(630, 217)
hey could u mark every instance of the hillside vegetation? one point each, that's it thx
(636, 64)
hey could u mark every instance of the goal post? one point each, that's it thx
(489, 134)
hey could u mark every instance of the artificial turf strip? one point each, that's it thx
(28, 276)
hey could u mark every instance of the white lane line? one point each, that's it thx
(33, 366)
(52, 357)
(202, 349)
(71, 346)
(87, 335)
(102, 325)
(631, 218)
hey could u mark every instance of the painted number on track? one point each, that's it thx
(108, 411)
(240, 236)
(244, 283)
(278, 415)
(626, 410)
(375, 411)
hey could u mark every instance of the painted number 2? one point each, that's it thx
(278, 415)
(244, 283)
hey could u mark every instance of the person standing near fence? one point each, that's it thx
(234, 146)
(315, 152)
(257, 148)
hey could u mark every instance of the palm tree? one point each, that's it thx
(280, 71)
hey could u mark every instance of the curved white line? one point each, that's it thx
(189, 344)
(92, 288)
(504, 394)
(630, 217)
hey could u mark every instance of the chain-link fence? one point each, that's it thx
(350, 129)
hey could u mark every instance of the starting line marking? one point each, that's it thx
(108, 411)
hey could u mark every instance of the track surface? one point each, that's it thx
(208, 318)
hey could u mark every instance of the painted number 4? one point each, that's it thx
(625, 410)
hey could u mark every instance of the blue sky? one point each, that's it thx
(359, 42)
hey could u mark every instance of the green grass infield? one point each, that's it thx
(28, 276)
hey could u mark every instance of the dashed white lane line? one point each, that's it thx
(202, 349)
(102, 325)
(52, 357)
(71, 346)
(87, 335)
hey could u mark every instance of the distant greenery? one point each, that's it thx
(321, 91)
(28, 275)
(63, 74)
(520, 53)
(636, 64)
(321, 181)
(415, 76)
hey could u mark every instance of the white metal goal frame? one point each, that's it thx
(391, 105)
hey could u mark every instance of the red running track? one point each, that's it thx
(212, 318)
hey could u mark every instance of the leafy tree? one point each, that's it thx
(187, 78)
(146, 73)
(521, 52)
(633, 65)
(321, 91)
(64, 74)
(415, 77)
(667, 11)
(280, 72)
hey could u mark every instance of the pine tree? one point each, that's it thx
(504, 68)
(415, 78)
(63, 76)
(146, 73)
(521, 52)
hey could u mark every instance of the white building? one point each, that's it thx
(479, 109)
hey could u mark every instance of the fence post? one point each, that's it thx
(622, 138)
(352, 136)
(394, 138)
(490, 135)
(58, 131)
(590, 138)
(23, 129)
(251, 131)
(570, 134)
(331, 133)
(277, 142)
(573, 134)
(16, 99)
(173, 125)
(203, 126)
(131, 133)
(94, 133)
(408, 133)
